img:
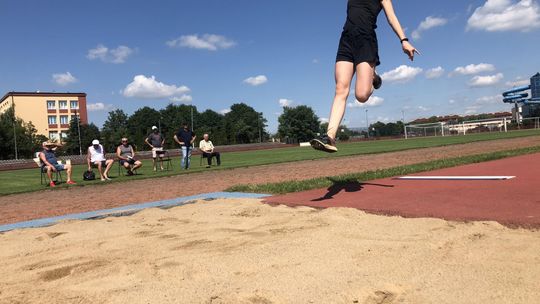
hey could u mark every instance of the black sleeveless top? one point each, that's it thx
(363, 14)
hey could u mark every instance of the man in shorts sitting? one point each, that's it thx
(156, 142)
(126, 157)
(96, 158)
(49, 163)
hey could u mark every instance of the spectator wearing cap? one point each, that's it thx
(96, 158)
(50, 164)
(126, 157)
(156, 142)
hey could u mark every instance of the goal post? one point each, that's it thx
(426, 130)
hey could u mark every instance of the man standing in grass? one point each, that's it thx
(156, 142)
(185, 138)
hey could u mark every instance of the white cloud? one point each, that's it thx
(256, 80)
(401, 74)
(283, 102)
(373, 101)
(486, 81)
(429, 23)
(434, 73)
(473, 69)
(149, 88)
(518, 82)
(98, 106)
(224, 111)
(315, 61)
(64, 79)
(324, 120)
(182, 99)
(486, 104)
(451, 101)
(486, 100)
(209, 42)
(506, 15)
(423, 109)
(103, 53)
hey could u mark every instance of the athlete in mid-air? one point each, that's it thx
(358, 53)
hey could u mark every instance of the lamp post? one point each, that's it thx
(259, 126)
(14, 128)
(79, 131)
(367, 124)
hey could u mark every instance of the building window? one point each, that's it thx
(52, 120)
(64, 120)
(53, 135)
(63, 135)
(74, 104)
(51, 105)
(62, 104)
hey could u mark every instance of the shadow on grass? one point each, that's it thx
(349, 185)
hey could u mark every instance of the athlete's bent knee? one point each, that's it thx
(363, 96)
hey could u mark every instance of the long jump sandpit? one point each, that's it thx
(247, 251)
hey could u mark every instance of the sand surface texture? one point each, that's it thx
(243, 251)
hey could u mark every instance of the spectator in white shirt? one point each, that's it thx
(207, 149)
(96, 158)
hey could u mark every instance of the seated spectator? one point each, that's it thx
(207, 149)
(96, 158)
(50, 164)
(156, 142)
(126, 157)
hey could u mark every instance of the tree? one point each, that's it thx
(244, 125)
(140, 125)
(212, 123)
(172, 118)
(88, 133)
(114, 128)
(299, 123)
(15, 130)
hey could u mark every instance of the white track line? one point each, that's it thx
(456, 177)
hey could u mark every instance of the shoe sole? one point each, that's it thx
(377, 82)
(319, 145)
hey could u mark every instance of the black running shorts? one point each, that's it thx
(358, 45)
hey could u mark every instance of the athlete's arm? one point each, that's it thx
(396, 26)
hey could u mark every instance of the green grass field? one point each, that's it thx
(18, 181)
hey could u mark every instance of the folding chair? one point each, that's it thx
(203, 157)
(120, 168)
(165, 157)
(43, 173)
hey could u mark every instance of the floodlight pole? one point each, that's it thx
(79, 131)
(14, 128)
(259, 125)
(367, 124)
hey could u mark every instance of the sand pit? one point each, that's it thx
(243, 251)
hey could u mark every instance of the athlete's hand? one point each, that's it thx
(409, 50)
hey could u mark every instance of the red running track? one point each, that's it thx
(514, 202)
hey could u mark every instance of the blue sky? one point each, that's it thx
(213, 53)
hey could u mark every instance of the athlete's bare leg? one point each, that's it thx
(343, 74)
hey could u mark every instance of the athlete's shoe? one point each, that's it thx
(377, 81)
(324, 143)
(52, 184)
(70, 182)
